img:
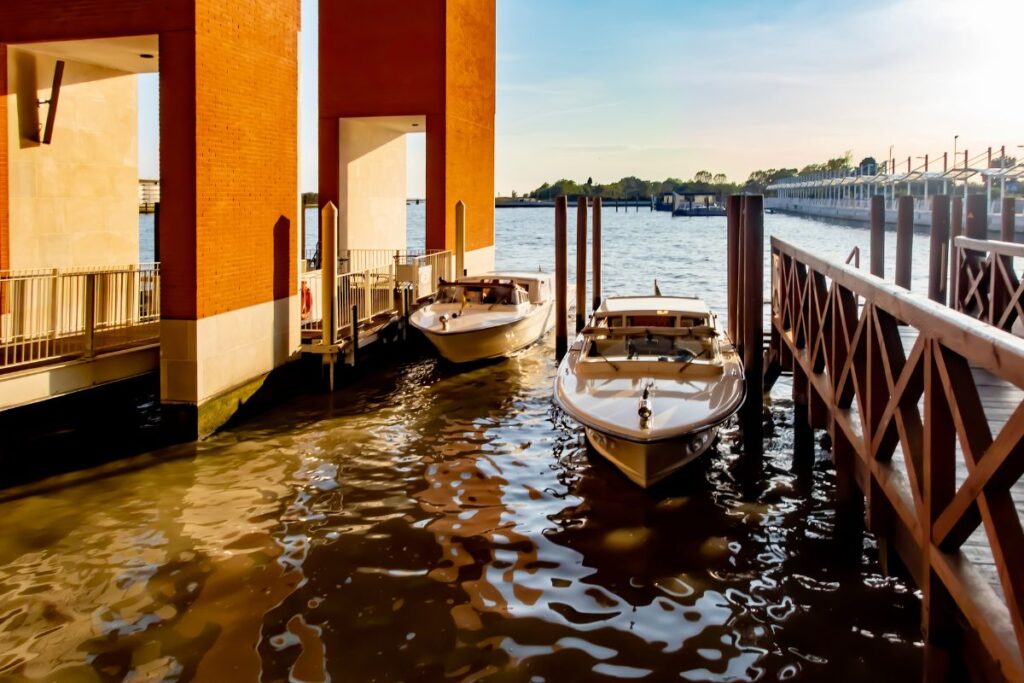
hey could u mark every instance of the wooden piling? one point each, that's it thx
(938, 254)
(460, 239)
(732, 211)
(561, 284)
(878, 235)
(355, 333)
(956, 228)
(581, 263)
(596, 261)
(329, 273)
(1009, 214)
(904, 241)
(302, 236)
(753, 322)
(156, 232)
(976, 225)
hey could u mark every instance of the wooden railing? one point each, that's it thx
(987, 286)
(50, 315)
(902, 383)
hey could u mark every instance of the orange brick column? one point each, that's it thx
(431, 58)
(229, 169)
(229, 157)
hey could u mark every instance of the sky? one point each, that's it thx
(666, 88)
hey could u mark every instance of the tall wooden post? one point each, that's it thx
(596, 265)
(581, 263)
(302, 236)
(732, 209)
(561, 284)
(460, 239)
(977, 217)
(753, 322)
(1009, 214)
(904, 241)
(938, 253)
(878, 235)
(89, 341)
(956, 228)
(938, 608)
(156, 232)
(329, 273)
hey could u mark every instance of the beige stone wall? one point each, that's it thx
(73, 202)
(372, 185)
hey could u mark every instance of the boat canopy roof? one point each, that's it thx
(653, 305)
(505, 276)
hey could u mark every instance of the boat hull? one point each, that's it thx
(647, 463)
(492, 342)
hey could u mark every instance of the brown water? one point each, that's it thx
(439, 525)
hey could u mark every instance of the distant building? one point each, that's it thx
(149, 195)
(689, 200)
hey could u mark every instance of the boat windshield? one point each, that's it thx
(649, 346)
(654, 337)
(491, 293)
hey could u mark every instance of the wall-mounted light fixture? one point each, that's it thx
(51, 111)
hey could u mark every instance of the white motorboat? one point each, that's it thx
(650, 379)
(487, 316)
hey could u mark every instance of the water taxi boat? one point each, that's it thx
(650, 379)
(487, 316)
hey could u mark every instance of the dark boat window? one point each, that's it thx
(652, 321)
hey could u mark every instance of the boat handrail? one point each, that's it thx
(696, 331)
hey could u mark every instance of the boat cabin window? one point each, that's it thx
(651, 321)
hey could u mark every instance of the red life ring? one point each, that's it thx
(307, 301)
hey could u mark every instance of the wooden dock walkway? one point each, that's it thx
(924, 405)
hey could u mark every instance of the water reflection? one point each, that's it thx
(441, 525)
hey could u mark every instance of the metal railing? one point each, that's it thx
(371, 291)
(424, 269)
(921, 205)
(371, 288)
(57, 314)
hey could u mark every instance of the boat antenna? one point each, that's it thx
(657, 289)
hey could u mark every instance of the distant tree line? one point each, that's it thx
(632, 187)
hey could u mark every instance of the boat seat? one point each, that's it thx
(681, 349)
